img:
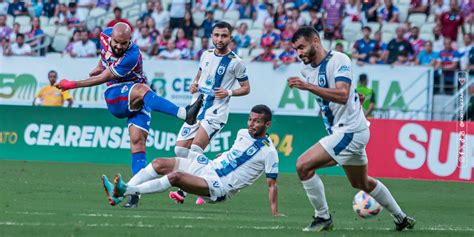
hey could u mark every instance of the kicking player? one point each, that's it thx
(127, 95)
(328, 75)
(214, 180)
(219, 70)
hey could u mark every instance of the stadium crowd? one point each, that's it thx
(437, 33)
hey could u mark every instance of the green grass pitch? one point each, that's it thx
(65, 199)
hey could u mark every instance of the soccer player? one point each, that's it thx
(219, 70)
(127, 95)
(252, 154)
(328, 75)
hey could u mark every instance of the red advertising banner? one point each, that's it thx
(429, 150)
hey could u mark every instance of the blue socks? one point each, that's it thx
(160, 104)
(138, 161)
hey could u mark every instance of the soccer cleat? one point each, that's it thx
(132, 201)
(319, 224)
(408, 223)
(192, 110)
(200, 201)
(119, 186)
(109, 189)
(177, 196)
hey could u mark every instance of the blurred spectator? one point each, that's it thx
(19, 48)
(389, 12)
(162, 17)
(270, 36)
(189, 52)
(150, 8)
(226, 5)
(340, 48)
(438, 7)
(438, 43)
(415, 41)
(5, 30)
(464, 51)
(37, 33)
(467, 9)
(154, 33)
(334, 12)
(281, 18)
(74, 17)
(364, 47)
(144, 41)
(49, 8)
(286, 57)
(17, 8)
(267, 55)
(448, 62)
(315, 22)
(242, 39)
(208, 23)
(398, 46)
(105, 4)
(247, 10)
(352, 12)
(76, 37)
(62, 14)
(171, 52)
(136, 29)
(118, 18)
(233, 47)
(84, 48)
(288, 32)
(302, 5)
(450, 21)
(369, 9)
(419, 6)
(5, 48)
(190, 29)
(52, 96)
(15, 32)
(162, 41)
(204, 47)
(180, 39)
(427, 56)
(95, 37)
(177, 11)
(263, 11)
(206, 5)
(3, 7)
(402, 59)
(296, 17)
(89, 4)
(366, 95)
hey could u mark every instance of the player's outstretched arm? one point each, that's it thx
(243, 90)
(105, 76)
(339, 95)
(273, 195)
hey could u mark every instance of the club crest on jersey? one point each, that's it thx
(220, 69)
(344, 68)
(252, 150)
(322, 80)
(202, 160)
(185, 132)
(124, 89)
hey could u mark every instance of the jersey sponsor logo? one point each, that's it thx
(185, 132)
(251, 150)
(221, 69)
(344, 68)
(202, 160)
(322, 80)
(124, 89)
(209, 80)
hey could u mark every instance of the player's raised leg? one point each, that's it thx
(359, 179)
(306, 165)
(142, 95)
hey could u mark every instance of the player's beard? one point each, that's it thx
(117, 54)
(222, 48)
(308, 57)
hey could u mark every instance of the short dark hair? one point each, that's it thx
(222, 24)
(52, 71)
(72, 5)
(308, 32)
(20, 35)
(117, 9)
(362, 77)
(263, 109)
(367, 28)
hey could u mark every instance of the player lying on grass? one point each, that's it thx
(214, 180)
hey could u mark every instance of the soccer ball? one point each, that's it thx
(365, 206)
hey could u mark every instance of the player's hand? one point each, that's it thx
(65, 85)
(96, 71)
(298, 83)
(220, 93)
(193, 88)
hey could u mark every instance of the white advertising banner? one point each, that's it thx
(397, 88)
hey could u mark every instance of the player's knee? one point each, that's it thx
(175, 177)
(140, 90)
(158, 165)
(137, 141)
(302, 168)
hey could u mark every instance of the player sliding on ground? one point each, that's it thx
(127, 95)
(328, 75)
(214, 180)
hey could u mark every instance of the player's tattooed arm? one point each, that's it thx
(339, 95)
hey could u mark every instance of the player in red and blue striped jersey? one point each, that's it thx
(127, 95)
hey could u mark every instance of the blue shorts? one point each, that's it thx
(118, 103)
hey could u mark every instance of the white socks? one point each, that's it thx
(181, 151)
(382, 195)
(315, 191)
(145, 174)
(197, 149)
(181, 113)
(153, 186)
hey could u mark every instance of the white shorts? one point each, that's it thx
(347, 148)
(200, 166)
(212, 127)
